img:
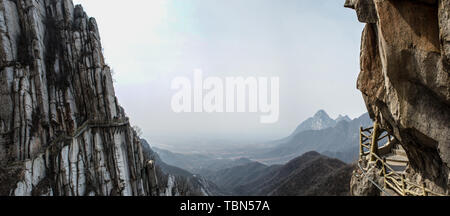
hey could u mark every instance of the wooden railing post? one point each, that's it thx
(374, 144)
(424, 189)
(403, 185)
(384, 172)
(361, 148)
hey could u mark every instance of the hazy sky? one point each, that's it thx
(312, 45)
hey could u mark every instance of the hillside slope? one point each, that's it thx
(185, 183)
(62, 130)
(309, 174)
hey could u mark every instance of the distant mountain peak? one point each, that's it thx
(335, 140)
(343, 118)
(319, 121)
(321, 114)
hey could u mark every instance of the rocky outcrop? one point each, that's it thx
(405, 62)
(62, 130)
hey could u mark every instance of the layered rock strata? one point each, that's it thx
(62, 130)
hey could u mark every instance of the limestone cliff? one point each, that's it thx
(62, 130)
(405, 62)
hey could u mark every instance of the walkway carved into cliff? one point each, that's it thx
(89, 124)
(380, 150)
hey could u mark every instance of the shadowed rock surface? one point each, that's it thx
(405, 62)
(62, 130)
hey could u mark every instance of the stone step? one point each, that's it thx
(397, 158)
(400, 168)
(397, 162)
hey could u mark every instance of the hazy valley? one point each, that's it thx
(315, 159)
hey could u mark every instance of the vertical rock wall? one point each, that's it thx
(62, 131)
(405, 62)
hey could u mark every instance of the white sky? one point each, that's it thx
(313, 46)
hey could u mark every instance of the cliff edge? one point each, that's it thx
(405, 61)
(62, 130)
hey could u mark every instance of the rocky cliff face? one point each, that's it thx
(405, 62)
(62, 131)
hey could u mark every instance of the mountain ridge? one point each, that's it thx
(184, 181)
(320, 120)
(339, 141)
(198, 163)
(309, 174)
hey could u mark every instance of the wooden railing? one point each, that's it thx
(399, 183)
(392, 179)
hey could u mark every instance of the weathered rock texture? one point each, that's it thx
(405, 62)
(62, 131)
